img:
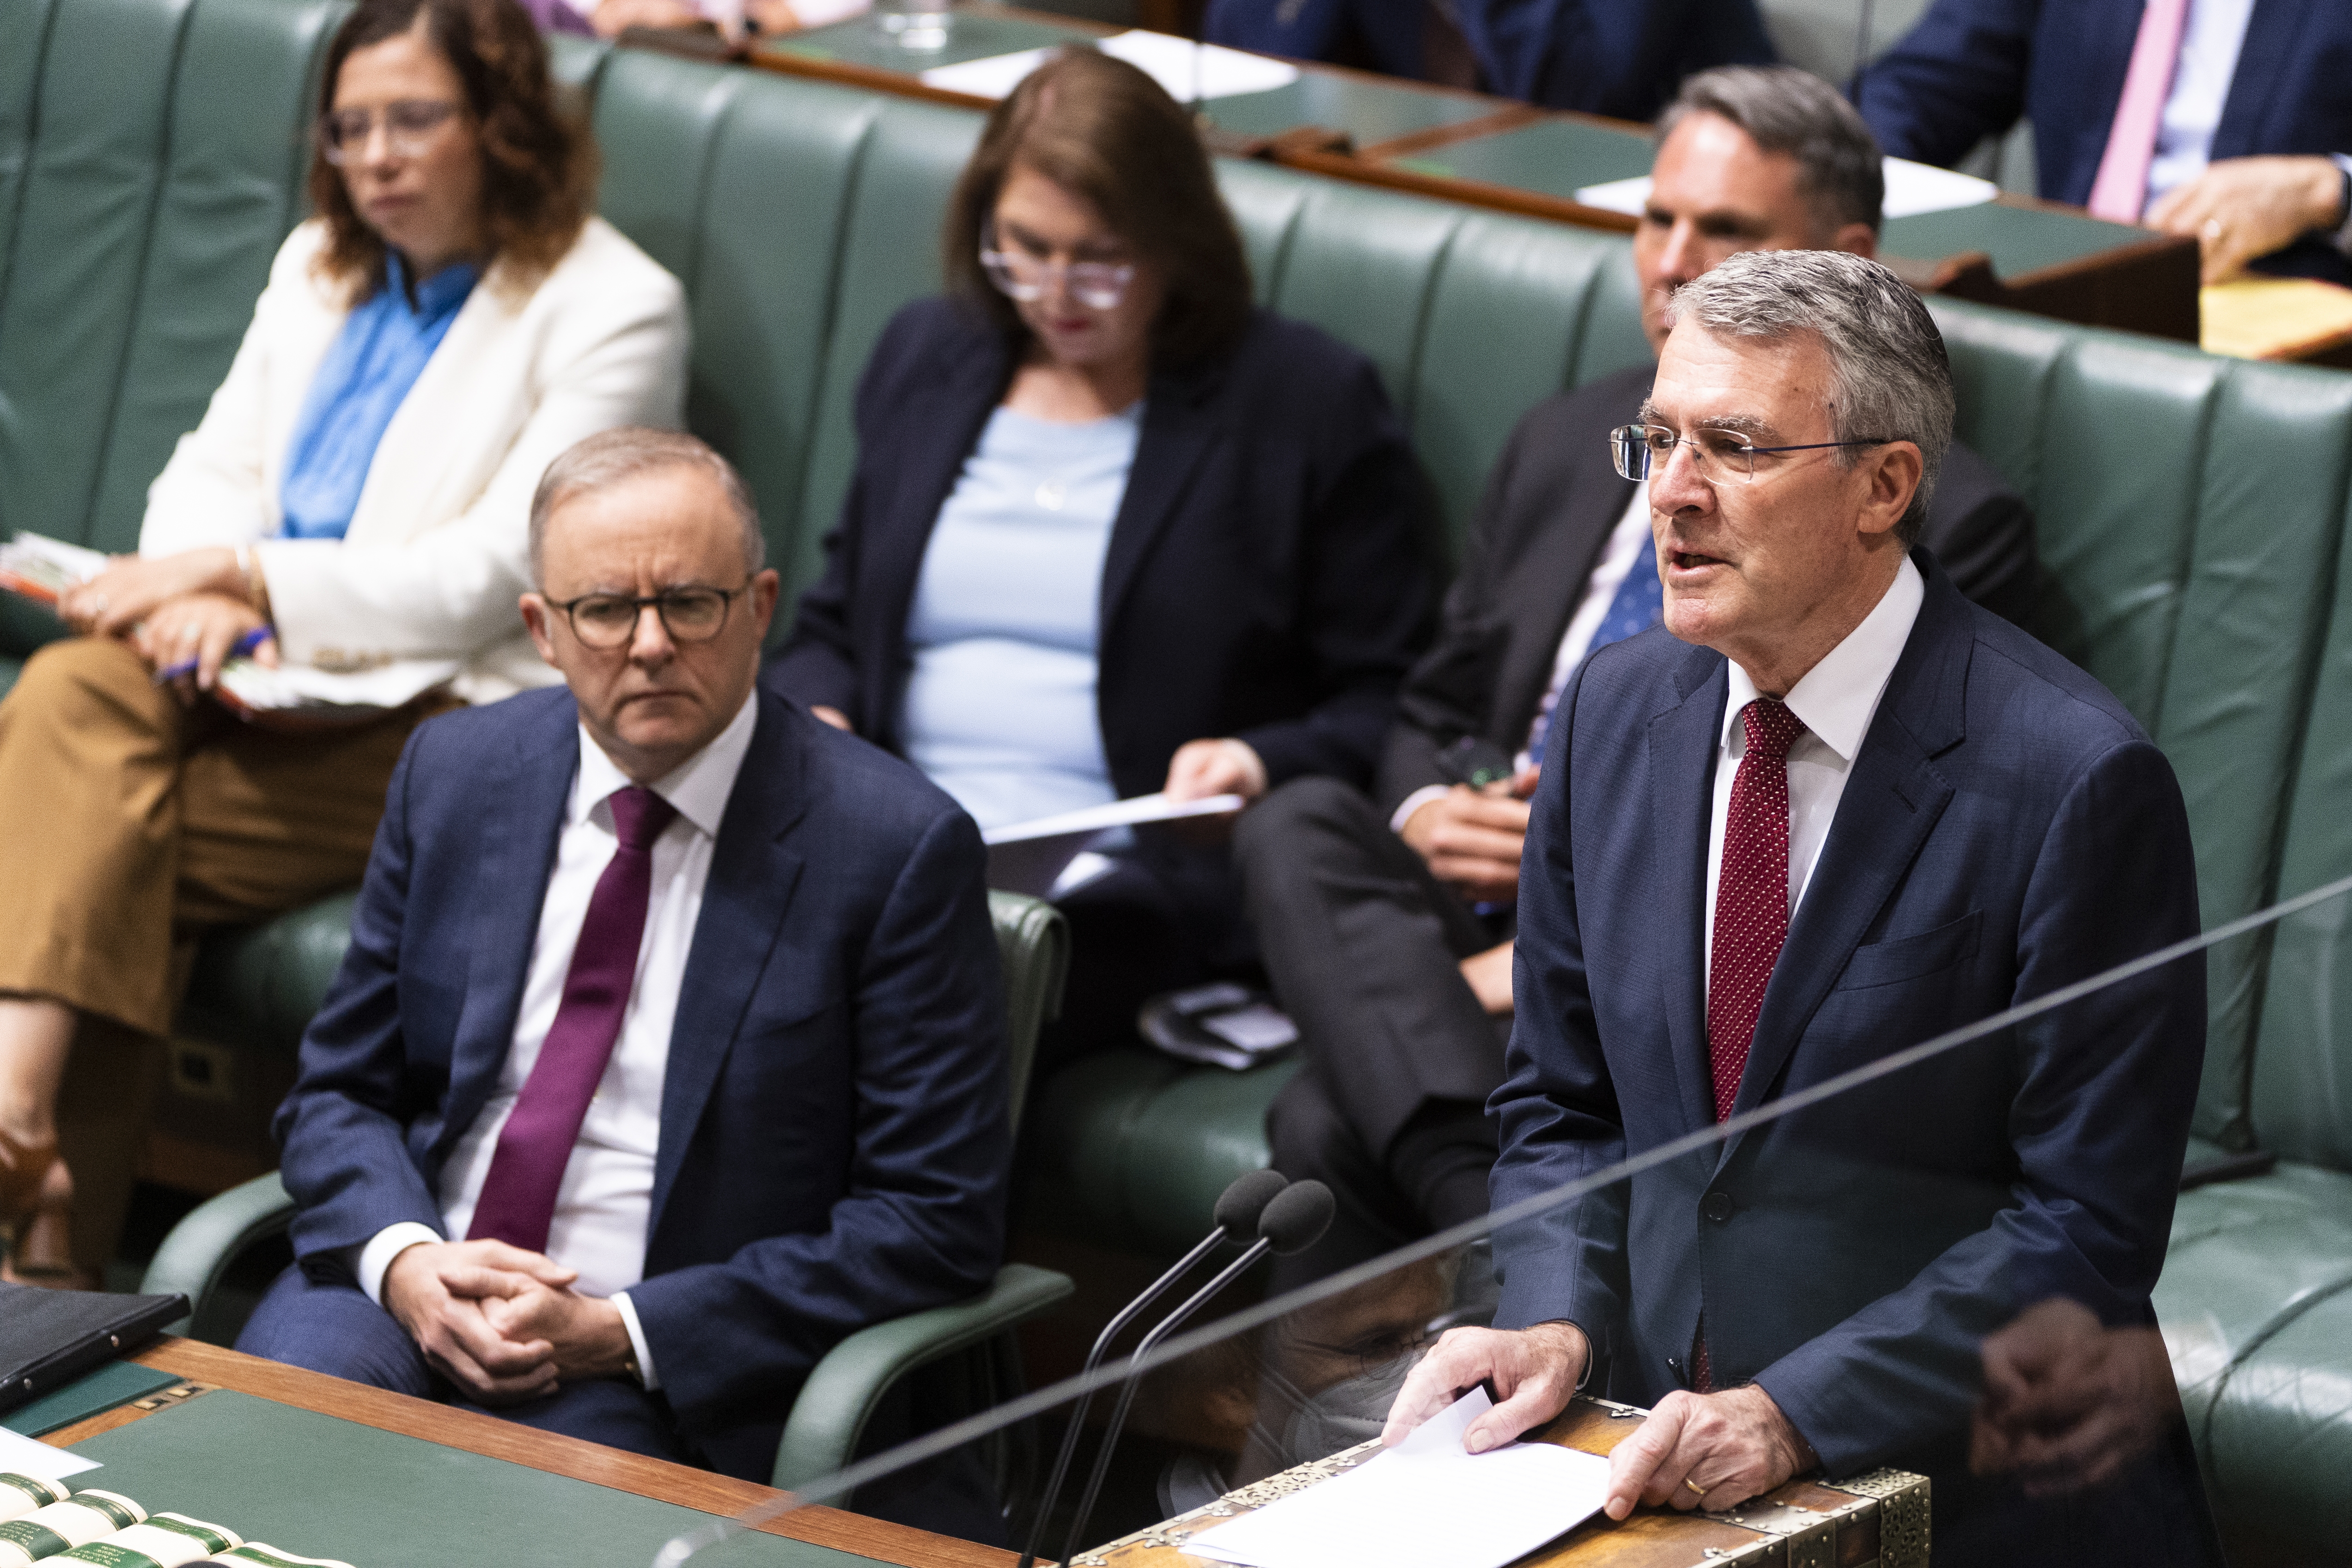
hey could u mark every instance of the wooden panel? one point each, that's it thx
(212, 1366)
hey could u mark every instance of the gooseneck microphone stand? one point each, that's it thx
(1294, 1221)
(1240, 1211)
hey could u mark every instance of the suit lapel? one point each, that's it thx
(752, 878)
(521, 819)
(1682, 746)
(1541, 598)
(1891, 801)
(1178, 429)
(2273, 38)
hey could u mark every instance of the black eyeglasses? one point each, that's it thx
(1642, 449)
(610, 620)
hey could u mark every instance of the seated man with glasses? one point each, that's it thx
(669, 1048)
(1387, 920)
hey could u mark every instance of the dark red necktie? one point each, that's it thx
(517, 1201)
(1751, 917)
(1751, 895)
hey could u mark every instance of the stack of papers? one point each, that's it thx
(1425, 1503)
(1911, 189)
(1031, 857)
(2274, 318)
(42, 569)
(296, 698)
(1187, 70)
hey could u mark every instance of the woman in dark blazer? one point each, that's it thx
(1112, 529)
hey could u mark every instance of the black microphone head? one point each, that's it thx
(1298, 1217)
(1239, 1205)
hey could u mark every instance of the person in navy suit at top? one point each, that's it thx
(1621, 58)
(669, 1047)
(2228, 120)
(1828, 810)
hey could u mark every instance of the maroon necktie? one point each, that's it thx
(1751, 918)
(517, 1201)
(1751, 895)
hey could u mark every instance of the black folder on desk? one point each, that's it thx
(49, 1337)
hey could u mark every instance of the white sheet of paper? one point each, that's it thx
(1037, 858)
(21, 1454)
(1425, 1504)
(296, 686)
(1185, 69)
(1911, 189)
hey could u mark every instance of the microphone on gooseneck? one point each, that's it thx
(1238, 1213)
(1294, 1220)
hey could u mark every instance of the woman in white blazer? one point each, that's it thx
(356, 496)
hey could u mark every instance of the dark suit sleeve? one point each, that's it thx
(344, 1126)
(1958, 77)
(2098, 1119)
(1982, 535)
(1367, 593)
(1558, 1116)
(1450, 688)
(923, 1223)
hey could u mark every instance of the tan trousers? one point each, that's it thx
(130, 824)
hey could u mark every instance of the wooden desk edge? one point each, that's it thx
(476, 1434)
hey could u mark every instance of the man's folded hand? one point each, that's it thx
(436, 1291)
(585, 1333)
(1706, 1450)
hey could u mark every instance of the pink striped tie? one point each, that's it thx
(2120, 192)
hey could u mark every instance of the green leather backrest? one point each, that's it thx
(144, 188)
(2190, 511)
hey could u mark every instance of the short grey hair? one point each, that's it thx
(1890, 377)
(613, 456)
(1784, 110)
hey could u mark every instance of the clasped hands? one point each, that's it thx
(2242, 208)
(195, 604)
(503, 1323)
(1694, 1451)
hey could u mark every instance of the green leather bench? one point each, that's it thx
(2191, 512)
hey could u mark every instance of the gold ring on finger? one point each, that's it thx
(2212, 231)
(1696, 1489)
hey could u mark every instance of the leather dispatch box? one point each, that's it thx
(1880, 1519)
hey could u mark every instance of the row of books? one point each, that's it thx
(42, 1520)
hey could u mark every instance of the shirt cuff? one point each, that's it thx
(2343, 235)
(387, 1244)
(1414, 802)
(637, 1340)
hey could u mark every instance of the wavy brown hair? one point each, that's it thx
(538, 164)
(1102, 130)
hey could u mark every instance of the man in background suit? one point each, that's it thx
(1830, 810)
(669, 1046)
(1621, 58)
(1386, 927)
(2228, 120)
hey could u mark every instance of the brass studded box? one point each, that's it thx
(1877, 1520)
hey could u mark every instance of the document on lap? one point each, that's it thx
(293, 697)
(41, 569)
(1912, 189)
(1186, 70)
(1425, 1503)
(1030, 856)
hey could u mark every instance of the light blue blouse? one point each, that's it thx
(1000, 708)
(359, 385)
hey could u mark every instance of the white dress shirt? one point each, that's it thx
(1626, 541)
(1835, 702)
(605, 1201)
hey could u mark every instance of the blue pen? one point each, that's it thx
(238, 649)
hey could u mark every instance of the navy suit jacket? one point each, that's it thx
(2007, 829)
(1266, 578)
(1623, 58)
(834, 1145)
(1972, 68)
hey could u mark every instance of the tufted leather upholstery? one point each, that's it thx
(2191, 511)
